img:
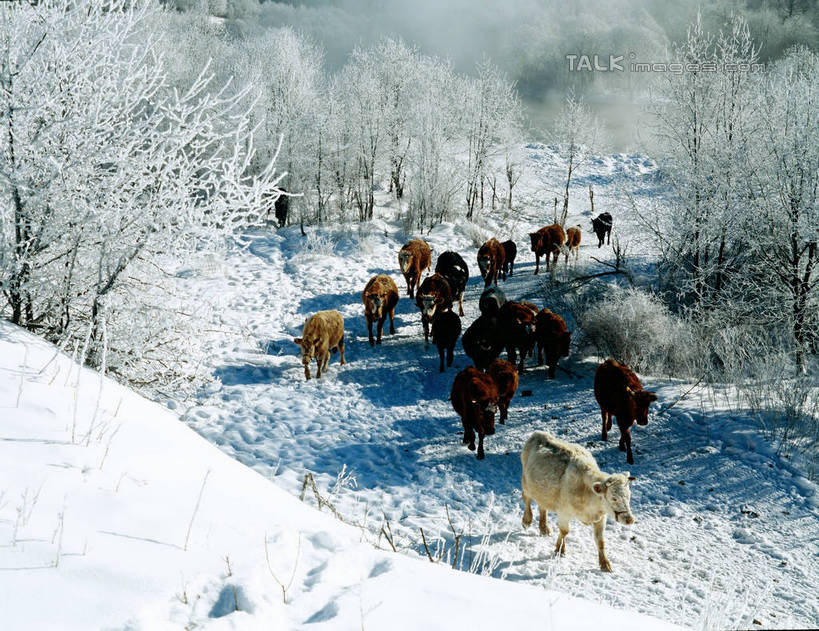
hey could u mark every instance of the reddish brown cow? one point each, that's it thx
(490, 261)
(510, 252)
(474, 397)
(506, 378)
(619, 392)
(547, 241)
(553, 339)
(433, 296)
(379, 297)
(517, 329)
(573, 235)
(413, 259)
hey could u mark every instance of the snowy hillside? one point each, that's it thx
(115, 515)
(726, 533)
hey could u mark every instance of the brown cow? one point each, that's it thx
(573, 235)
(474, 397)
(322, 332)
(506, 378)
(413, 259)
(490, 261)
(446, 328)
(548, 240)
(510, 252)
(619, 392)
(380, 297)
(517, 329)
(553, 339)
(433, 295)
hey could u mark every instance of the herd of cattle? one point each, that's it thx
(559, 476)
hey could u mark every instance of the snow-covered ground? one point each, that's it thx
(727, 532)
(115, 515)
(95, 525)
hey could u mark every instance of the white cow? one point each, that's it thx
(564, 478)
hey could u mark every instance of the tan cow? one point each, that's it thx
(322, 332)
(413, 259)
(564, 478)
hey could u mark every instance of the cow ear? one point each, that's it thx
(630, 477)
(651, 396)
(297, 341)
(599, 488)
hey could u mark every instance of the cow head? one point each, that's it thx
(483, 264)
(309, 349)
(376, 304)
(428, 304)
(535, 237)
(522, 318)
(486, 405)
(641, 399)
(404, 260)
(615, 495)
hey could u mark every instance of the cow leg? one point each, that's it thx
(511, 354)
(392, 321)
(629, 455)
(461, 305)
(537, 264)
(560, 546)
(521, 367)
(441, 354)
(320, 366)
(449, 355)
(504, 407)
(380, 328)
(539, 354)
(599, 527)
(370, 331)
(307, 372)
(543, 523)
(341, 351)
(511, 269)
(552, 368)
(425, 324)
(481, 455)
(469, 437)
(527, 508)
(606, 427)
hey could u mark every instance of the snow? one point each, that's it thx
(725, 534)
(108, 530)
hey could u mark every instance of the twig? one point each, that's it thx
(273, 574)
(426, 547)
(195, 510)
(388, 532)
(681, 397)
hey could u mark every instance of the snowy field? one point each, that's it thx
(120, 517)
(727, 533)
(114, 515)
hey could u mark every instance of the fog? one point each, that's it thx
(530, 40)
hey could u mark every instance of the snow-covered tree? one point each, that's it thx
(107, 170)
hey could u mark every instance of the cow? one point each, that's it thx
(553, 339)
(619, 393)
(517, 329)
(547, 241)
(474, 398)
(482, 341)
(491, 300)
(380, 297)
(490, 261)
(433, 295)
(573, 236)
(281, 206)
(446, 328)
(564, 478)
(322, 332)
(452, 266)
(413, 259)
(601, 226)
(506, 379)
(510, 253)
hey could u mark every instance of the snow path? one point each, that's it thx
(726, 533)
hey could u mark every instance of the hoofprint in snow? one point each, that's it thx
(726, 531)
(115, 515)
